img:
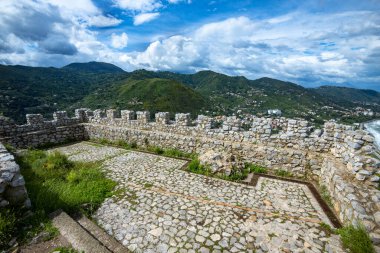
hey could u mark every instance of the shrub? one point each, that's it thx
(7, 226)
(356, 240)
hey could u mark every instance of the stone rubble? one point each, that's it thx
(12, 183)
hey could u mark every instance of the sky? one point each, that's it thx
(309, 42)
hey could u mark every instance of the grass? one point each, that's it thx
(327, 228)
(235, 175)
(153, 149)
(53, 182)
(255, 168)
(7, 226)
(325, 195)
(283, 173)
(196, 167)
(356, 239)
(65, 250)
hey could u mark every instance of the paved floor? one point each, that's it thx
(160, 208)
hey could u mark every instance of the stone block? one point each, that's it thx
(60, 116)
(98, 114)
(143, 117)
(182, 119)
(111, 114)
(162, 118)
(34, 119)
(127, 115)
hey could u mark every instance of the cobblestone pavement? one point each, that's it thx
(160, 208)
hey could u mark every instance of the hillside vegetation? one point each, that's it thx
(152, 94)
(103, 85)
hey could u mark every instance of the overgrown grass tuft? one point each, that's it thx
(255, 168)
(65, 250)
(325, 195)
(155, 149)
(356, 240)
(196, 167)
(236, 175)
(283, 173)
(7, 226)
(54, 182)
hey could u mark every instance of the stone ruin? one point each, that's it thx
(340, 157)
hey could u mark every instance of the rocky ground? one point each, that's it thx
(161, 208)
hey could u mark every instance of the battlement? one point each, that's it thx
(337, 156)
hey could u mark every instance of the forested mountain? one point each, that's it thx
(103, 85)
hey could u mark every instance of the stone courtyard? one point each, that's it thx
(161, 208)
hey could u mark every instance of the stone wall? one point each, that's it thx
(354, 203)
(337, 156)
(39, 132)
(12, 183)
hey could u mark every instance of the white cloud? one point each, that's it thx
(139, 5)
(103, 21)
(301, 47)
(119, 41)
(145, 17)
(320, 49)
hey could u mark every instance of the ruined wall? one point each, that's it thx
(353, 202)
(338, 156)
(12, 183)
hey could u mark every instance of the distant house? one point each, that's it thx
(275, 112)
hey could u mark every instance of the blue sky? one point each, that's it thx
(312, 43)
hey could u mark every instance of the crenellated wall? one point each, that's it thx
(38, 131)
(337, 156)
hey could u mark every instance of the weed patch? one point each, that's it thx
(255, 168)
(196, 167)
(54, 182)
(356, 240)
(283, 173)
(325, 195)
(7, 226)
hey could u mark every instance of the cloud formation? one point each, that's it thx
(303, 47)
(145, 17)
(119, 41)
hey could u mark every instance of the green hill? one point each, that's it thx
(103, 85)
(343, 95)
(45, 90)
(152, 94)
(94, 67)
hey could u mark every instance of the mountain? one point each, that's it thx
(153, 94)
(45, 90)
(94, 67)
(103, 85)
(342, 95)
